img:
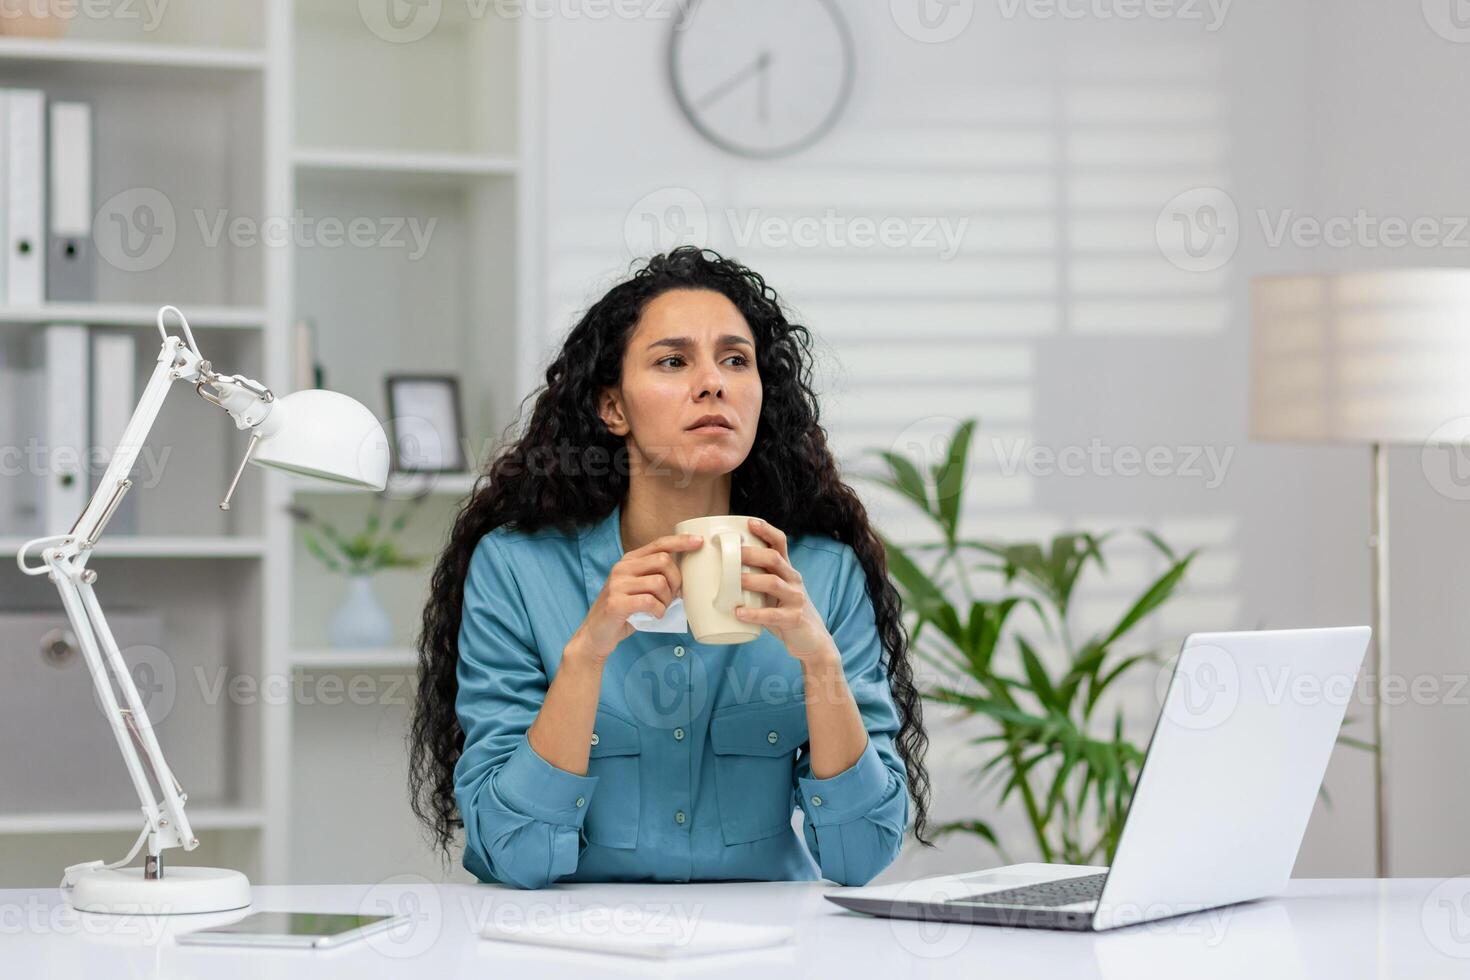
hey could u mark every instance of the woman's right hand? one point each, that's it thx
(644, 580)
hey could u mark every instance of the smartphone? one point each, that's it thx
(314, 930)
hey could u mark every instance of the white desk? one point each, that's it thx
(1332, 929)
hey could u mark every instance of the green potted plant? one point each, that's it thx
(1072, 771)
(360, 621)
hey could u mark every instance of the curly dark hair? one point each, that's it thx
(789, 478)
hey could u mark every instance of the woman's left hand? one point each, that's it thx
(789, 612)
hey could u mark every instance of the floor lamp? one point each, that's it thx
(1364, 358)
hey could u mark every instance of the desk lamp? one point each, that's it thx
(314, 433)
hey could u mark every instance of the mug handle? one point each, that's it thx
(728, 595)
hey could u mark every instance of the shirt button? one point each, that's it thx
(816, 801)
(678, 734)
(772, 737)
(581, 801)
(678, 816)
(678, 651)
(594, 738)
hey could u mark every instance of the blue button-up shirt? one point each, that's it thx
(699, 755)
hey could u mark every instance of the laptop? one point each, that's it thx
(1248, 723)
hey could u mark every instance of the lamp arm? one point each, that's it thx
(174, 363)
(167, 823)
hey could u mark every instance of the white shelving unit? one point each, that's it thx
(438, 484)
(133, 315)
(432, 165)
(72, 54)
(263, 109)
(392, 658)
(164, 546)
(124, 821)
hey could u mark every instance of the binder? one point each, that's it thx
(66, 357)
(12, 473)
(25, 252)
(69, 262)
(113, 399)
(20, 414)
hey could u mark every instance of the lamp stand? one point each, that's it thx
(1378, 548)
(185, 890)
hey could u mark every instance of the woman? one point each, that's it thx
(570, 747)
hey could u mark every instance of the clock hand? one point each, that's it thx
(717, 93)
(764, 83)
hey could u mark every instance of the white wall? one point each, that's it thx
(1060, 321)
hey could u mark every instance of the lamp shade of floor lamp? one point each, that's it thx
(1364, 358)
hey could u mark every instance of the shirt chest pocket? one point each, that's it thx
(755, 758)
(612, 817)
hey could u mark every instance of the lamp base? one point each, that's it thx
(182, 889)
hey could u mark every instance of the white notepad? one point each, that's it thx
(631, 931)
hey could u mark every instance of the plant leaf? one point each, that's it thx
(949, 478)
(925, 597)
(977, 827)
(1157, 593)
(905, 479)
(1357, 743)
(1098, 686)
(1036, 675)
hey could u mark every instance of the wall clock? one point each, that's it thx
(761, 78)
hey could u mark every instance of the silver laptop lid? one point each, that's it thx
(1242, 742)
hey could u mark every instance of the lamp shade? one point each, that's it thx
(1363, 357)
(326, 435)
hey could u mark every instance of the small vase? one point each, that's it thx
(360, 621)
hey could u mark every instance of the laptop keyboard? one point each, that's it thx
(1046, 895)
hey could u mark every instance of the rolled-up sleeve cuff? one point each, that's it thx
(850, 794)
(536, 788)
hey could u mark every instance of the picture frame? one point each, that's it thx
(427, 421)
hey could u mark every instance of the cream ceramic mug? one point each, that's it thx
(711, 579)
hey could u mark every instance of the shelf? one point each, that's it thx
(452, 92)
(134, 315)
(405, 658)
(152, 546)
(447, 484)
(103, 821)
(402, 166)
(110, 59)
